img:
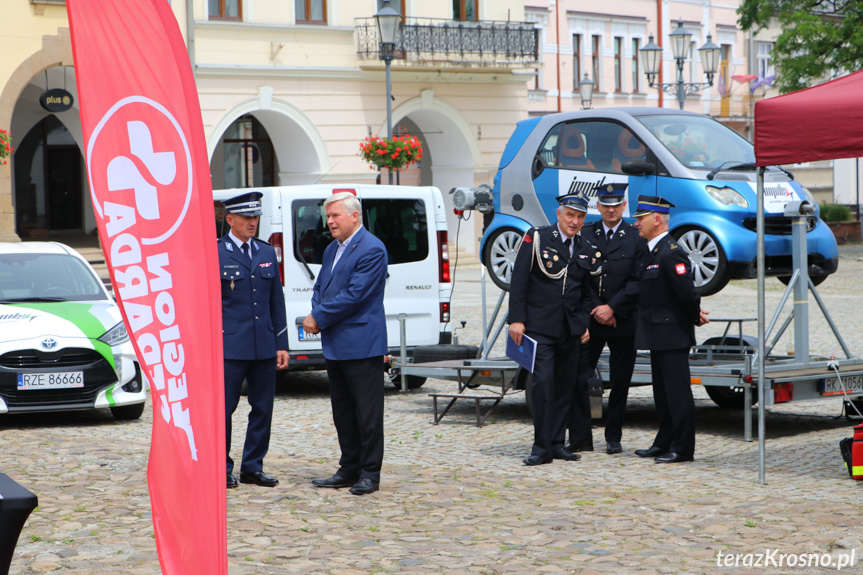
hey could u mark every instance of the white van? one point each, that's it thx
(411, 223)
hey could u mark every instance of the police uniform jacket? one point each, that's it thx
(669, 306)
(254, 325)
(544, 304)
(615, 276)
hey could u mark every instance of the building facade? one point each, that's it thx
(288, 90)
(601, 42)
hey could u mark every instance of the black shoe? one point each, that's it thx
(652, 451)
(259, 478)
(575, 447)
(613, 447)
(364, 487)
(672, 457)
(537, 460)
(232, 481)
(566, 455)
(337, 481)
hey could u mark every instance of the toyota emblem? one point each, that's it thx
(49, 343)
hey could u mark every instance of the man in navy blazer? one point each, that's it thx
(348, 311)
(254, 329)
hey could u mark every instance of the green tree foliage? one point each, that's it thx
(820, 39)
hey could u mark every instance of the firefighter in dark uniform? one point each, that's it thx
(668, 310)
(619, 251)
(254, 330)
(550, 301)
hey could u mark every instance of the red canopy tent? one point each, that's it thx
(824, 122)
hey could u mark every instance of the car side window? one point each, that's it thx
(628, 148)
(311, 235)
(401, 224)
(592, 145)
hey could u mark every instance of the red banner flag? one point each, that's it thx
(149, 179)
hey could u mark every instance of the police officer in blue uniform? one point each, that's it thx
(550, 300)
(254, 329)
(619, 252)
(669, 308)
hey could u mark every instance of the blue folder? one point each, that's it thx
(524, 354)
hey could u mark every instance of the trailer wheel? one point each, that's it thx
(730, 397)
(427, 353)
(444, 351)
(522, 380)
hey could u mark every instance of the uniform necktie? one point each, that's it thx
(245, 249)
(609, 236)
(567, 243)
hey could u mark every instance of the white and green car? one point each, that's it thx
(63, 345)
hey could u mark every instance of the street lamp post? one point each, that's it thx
(585, 88)
(388, 20)
(651, 56)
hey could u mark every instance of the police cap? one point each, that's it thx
(248, 204)
(652, 204)
(612, 194)
(574, 201)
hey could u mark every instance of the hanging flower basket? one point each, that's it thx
(395, 154)
(5, 146)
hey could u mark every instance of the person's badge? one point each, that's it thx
(555, 258)
(232, 285)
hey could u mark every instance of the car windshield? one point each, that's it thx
(699, 142)
(29, 277)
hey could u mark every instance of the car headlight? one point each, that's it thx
(808, 195)
(116, 335)
(727, 196)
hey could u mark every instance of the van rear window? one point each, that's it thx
(400, 224)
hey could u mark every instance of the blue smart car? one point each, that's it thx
(705, 168)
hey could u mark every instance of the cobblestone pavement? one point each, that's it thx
(456, 498)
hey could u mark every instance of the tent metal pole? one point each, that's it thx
(761, 317)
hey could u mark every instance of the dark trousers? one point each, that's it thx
(553, 386)
(621, 361)
(261, 375)
(580, 424)
(357, 397)
(675, 407)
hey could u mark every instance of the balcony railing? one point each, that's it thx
(433, 41)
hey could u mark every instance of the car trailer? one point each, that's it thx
(727, 366)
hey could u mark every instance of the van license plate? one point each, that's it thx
(852, 384)
(56, 380)
(308, 336)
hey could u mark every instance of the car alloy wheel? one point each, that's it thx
(708, 261)
(500, 255)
